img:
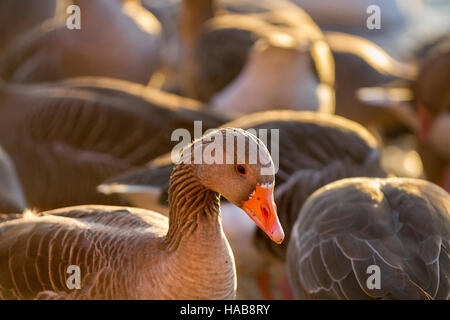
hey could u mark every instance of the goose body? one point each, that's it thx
(432, 103)
(425, 108)
(129, 253)
(361, 63)
(128, 48)
(314, 149)
(71, 136)
(17, 16)
(102, 241)
(242, 70)
(400, 225)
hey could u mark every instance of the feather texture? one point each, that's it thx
(400, 225)
(65, 140)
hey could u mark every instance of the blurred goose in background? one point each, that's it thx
(351, 15)
(126, 47)
(361, 63)
(314, 149)
(130, 253)
(17, 16)
(66, 138)
(400, 225)
(423, 104)
(403, 23)
(11, 195)
(291, 68)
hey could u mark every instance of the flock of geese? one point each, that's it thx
(87, 179)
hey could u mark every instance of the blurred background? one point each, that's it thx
(158, 65)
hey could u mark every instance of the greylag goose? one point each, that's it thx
(220, 55)
(128, 48)
(432, 101)
(352, 15)
(66, 138)
(129, 253)
(11, 196)
(429, 95)
(365, 238)
(17, 16)
(361, 63)
(314, 149)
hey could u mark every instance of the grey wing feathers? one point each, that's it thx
(353, 224)
(324, 154)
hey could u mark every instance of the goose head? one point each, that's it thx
(238, 166)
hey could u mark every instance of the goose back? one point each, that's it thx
(66, 139)
(211, 66)
(400, 225)
(124, 50)
(17, 16)
(314, 150)
(96, 239)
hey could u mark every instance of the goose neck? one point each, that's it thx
(192, 207)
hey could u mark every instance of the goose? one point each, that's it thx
(65, 138)
(351, 227)
(361, 63)
(11, 195)
(17, 16)
(130, 253)
(314, 149)
(352, 15)
(432, 102)
(424, 101)
(226, 75)
(126, 48)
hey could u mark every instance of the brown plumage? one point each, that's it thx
(129, 253)
(423, 105)
(361, 63)
(126, 48)
(17, 16)
(400, 225)
(314, 149)
(210, 66)
(66, 138)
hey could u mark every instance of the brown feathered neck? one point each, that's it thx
(189, 200)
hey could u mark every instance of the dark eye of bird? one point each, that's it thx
(241, 170)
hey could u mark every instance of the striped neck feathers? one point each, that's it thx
(189, 201)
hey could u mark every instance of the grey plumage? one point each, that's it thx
(400, 225)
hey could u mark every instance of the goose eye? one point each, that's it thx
(241, 170)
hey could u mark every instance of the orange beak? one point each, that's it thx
(262, 210)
